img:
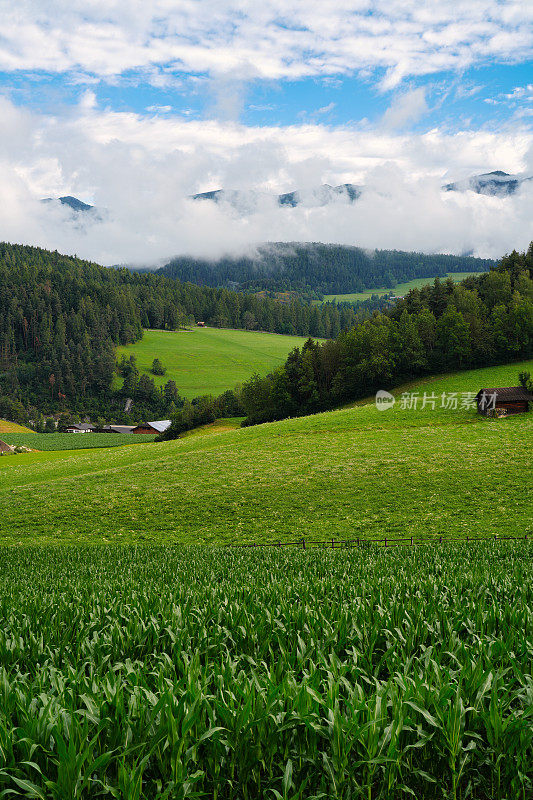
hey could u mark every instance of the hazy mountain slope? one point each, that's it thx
(497, 183)
(316, 267)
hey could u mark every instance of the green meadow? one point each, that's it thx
(399, 290)
(425, 472)
(210, 360)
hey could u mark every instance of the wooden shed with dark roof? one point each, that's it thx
(5, 448)
(507, 399)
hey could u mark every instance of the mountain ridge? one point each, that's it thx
(494, 184)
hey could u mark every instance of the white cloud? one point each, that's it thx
(274, 40)
(406, 108)
(159, 109)
(325, 109)
(142, 170)
(519, 96)
(520, 91)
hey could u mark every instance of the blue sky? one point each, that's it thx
(480, 96)
(133, 105)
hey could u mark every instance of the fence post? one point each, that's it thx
(303, 544)
(411, 541)
(440, 539)
(385, 541)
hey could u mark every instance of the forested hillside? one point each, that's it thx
(316, 269)
(61, 318)
(485, 320)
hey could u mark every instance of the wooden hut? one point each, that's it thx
(5, 448)
(503, 399)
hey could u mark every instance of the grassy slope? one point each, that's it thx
(399, 290)
(12, 427)
(353, 472)
(210, 360)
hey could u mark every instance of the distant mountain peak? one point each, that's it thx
(496, 183)
(249, 200)
(70, 201)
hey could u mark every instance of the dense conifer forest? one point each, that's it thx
(62, 317)
(316, 269)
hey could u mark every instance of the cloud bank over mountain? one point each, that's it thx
(141, 172)
(134, 107)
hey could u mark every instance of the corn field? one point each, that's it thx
(167, 672)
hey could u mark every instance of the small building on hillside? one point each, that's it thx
(200, 324)
(5, 448)
(157, 426)
(505, 400)
(83, 427)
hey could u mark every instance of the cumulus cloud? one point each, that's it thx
(274, 40)
(142, 170)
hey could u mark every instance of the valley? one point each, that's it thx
(266, 400)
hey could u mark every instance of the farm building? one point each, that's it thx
(5, 448)
(506, 399)
(83, 427)
(158, 426)
(200, 324)
(118, 428)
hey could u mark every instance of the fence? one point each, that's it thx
(385, 542)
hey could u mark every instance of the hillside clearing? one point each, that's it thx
(399, 290)
(209, 360)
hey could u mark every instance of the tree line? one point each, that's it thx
(315, 269)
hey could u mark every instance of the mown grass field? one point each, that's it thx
(356, 472)
(399, 290)
(73, 441)
(12, 427)
(365, 674)
(210, 360)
